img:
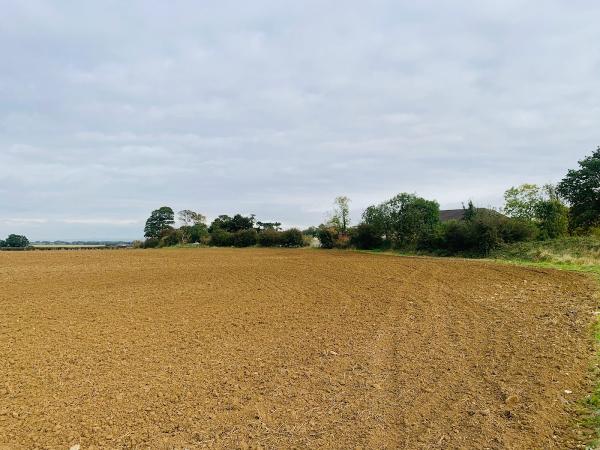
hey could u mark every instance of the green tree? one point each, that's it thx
(520, 202)
(160, 220)
(16, 241)
(340, 217)
(190, 218)
(581, 189)
(470, 211)
(366, 236)
(553, 219)
(327, 236)
(2, 243)
(232, 224)
(292, 238)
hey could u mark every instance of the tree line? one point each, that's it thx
(224, 231)
(411, 223)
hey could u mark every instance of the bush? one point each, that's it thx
(366, 236)
(269, 238)
(342, 241)
(516, 230)
(292, 238)
(327, 236)
(170, 237)
(194, 233)
(151, 243)
(221, 238)
(245, 238)
(2, 243)
(137, 244)
(554, 219)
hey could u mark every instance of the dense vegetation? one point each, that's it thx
(531, 213)
(14, 241)
(224, 231)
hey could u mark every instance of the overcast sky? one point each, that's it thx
(111, 109)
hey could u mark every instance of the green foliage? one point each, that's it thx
(2, 243)
(521, 202)
(170, 237)
(340, 218)
(366, 236)
(553, 219)
(194, 233)
(292, 238)
(232, 224)
(327, 236)
(311, 231)
(191, 218)
(405, 219)
(269, 238)
(573, 252)
(377, 218)
(517, 230)
(159, 220)
(470, 211)
(151, 242)
(581, 188)
(221, 238)
(16, 241)
(245, 238)
(137, 244)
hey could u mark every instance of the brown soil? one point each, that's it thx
(288, 349)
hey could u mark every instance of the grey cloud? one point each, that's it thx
(109, 110)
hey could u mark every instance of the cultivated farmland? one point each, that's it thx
(261, 348)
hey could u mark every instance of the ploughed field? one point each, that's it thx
(260, 348)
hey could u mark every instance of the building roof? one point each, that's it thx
(459, 214)
(452, 214)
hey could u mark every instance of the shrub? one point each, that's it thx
(170, 237)
(221, 238)
(269, 238)
(553, 219)
(193, 233)
(516, 230)
(151, 243)
(366, 236)
(327, 236)
(2, 243)
(137, 244)
(342, 241)
(245, 238)
(292, 238)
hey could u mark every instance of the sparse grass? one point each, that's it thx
(581, 254)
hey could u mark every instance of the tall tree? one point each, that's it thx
(190, 218)
(161, 219)
(404, 219)
(520, 202)
(581, 188)
(340, 218)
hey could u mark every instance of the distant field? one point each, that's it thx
(65, 246)
(241, 348)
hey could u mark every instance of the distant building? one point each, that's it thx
(459, 214)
